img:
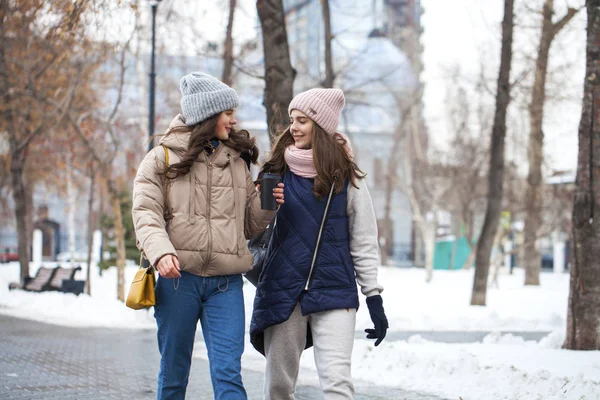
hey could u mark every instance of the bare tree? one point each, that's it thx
(426, 189)
(424, 181)
(468, 154)
(496, 170)
(99, 137)
(4, 184)
(583, 317)
(279, 74)
(329, 76)
(345, 56)
(35, 62)
(228, 47)
(90, 228)
(392, 180)
(533, 199)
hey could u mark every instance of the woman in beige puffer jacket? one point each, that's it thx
(196, 239)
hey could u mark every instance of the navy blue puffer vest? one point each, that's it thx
(285, 275)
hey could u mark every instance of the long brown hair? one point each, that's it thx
(332, 162)
(201, 135)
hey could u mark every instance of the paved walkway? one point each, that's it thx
(41, 361)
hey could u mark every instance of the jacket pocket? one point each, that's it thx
(349, 268)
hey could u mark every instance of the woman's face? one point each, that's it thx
(225, 122)
(301, 129)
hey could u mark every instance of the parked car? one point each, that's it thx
(8, 254)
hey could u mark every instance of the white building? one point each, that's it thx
(378, 79)
(373, 72)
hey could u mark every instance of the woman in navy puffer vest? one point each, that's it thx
(303, 298)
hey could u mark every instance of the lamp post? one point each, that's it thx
(154, 5)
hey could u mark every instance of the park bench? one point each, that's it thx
(38, 283)
(52, 279)
(64, 280)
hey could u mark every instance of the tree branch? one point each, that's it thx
(84, 139)
(246, 72)
(123, 68)
(557, 26)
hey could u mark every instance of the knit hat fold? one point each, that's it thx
(204, 96)
(323, 106)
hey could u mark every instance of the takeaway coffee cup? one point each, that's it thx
(267, 184)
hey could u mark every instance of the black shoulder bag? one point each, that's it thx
(259, 247)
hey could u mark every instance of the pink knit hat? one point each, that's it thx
(323, 106)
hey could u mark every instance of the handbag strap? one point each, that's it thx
(166, 214)
(166, 211)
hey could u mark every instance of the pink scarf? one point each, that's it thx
(300, 161)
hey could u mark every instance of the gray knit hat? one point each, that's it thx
(204, 96)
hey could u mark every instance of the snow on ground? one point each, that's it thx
(502, 366)
(101, 310)
(443, 305)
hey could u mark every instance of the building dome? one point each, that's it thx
(380, 63)
(378, 79)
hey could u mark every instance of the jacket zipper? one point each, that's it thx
(209, 168)
(314, 258)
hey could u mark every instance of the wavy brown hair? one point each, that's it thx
(332, 162)
(201, 134)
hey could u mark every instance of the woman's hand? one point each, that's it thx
(168, 266)
(278, 193)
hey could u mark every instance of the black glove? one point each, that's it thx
(375, 305)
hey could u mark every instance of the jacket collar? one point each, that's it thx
(178, 143)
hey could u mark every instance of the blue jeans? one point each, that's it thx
(218, 302)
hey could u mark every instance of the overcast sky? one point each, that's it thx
(458, 31)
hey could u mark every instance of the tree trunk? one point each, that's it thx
(497, 260)
(329, 77)
(279, 74)
(583, 318)
(18, 153)
(387, 215)
(470, 258)
(390, 182)
(533, 197)
(101, 206)
(228, 48)
(469, 228)
(429, 235)
(71, 200)
(90, 233)
(31, 211)
(418, 260)
(496, 171)
(120, 245)
(22, 211)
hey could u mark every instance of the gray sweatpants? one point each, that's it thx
(333, 338)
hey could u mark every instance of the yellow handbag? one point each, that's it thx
(141, 293)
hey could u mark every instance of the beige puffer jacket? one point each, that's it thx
(214, 208)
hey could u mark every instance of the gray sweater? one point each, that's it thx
(363, 238)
